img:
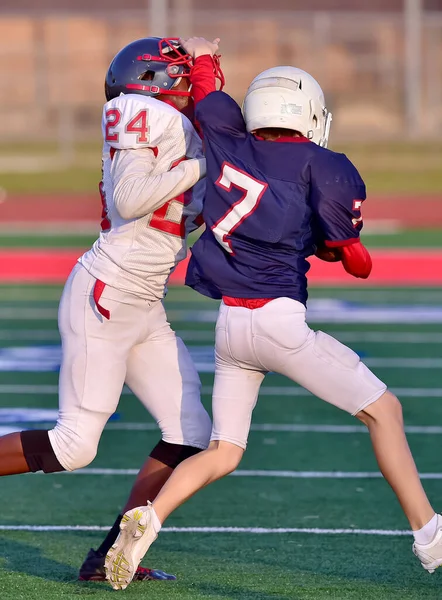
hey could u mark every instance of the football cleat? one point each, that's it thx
(137, 534)
(93, 570)
(430, 554)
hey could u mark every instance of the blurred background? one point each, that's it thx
(379, 63)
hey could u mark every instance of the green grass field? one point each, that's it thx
(248, 565)
(11, 238)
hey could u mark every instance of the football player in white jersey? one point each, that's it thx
(112, 321)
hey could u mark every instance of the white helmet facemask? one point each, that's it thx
(288, 98)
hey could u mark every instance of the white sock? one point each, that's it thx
(155, 521)
(425, 535)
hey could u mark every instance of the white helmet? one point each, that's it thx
(288, 98)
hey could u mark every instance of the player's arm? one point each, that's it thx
(204, 73)
(137, 192)
(205, 68)
(337, 194)
(219, 115)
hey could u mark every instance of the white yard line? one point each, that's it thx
(18, 313)
(9, 426)
(24, 389)
(288, 428)
(29, 334)
(11, 389)
(299, 391)
(320, 311)
(246, 530)
(254, 473)
(384, 337)
(371, 337)
(337, 312)
(388, 337)
(403, 363)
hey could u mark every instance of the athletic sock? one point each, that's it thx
(155, 521)
(111, 537)
(425, 535)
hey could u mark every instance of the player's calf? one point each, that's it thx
(385, 423)
(225, 458)
(387, 407)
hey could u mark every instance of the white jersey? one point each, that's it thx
(146, 214)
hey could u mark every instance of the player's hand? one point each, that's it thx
(198, 46)
(328, 254)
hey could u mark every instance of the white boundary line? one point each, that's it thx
(288, 428)
(43, 389)
(249, 530)
(10, 425)
(402, 363)
(320, 311)
(31, 335)
(388, 337)
(384, 337)
(254, 473)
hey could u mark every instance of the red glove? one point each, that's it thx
(354, 256)
(356, 260)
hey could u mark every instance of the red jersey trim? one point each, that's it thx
(286, 138)
(250, 303)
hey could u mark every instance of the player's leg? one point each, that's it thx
(93, 370)
(284, 343)
(235, 393)
(153, 473)
(385, 424)
(91, 379)
(12, 458)
(234, 397)
(162, 375)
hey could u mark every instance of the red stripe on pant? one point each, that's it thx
(98, 290)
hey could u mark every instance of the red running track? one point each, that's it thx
(390, 267)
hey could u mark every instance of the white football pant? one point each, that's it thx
(136, 346)
(251, 343)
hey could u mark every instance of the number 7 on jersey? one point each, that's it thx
(239, 211)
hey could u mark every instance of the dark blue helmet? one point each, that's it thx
(150, 66)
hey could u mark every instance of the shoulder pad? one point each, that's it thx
(333, 167)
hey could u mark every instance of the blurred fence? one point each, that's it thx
(52, 66)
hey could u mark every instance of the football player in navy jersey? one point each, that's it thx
(276, 195)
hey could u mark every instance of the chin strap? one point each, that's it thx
(172, 92)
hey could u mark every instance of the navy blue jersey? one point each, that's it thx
(267, 205)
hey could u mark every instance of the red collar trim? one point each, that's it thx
(296, 140)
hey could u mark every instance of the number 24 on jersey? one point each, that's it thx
(137, 125)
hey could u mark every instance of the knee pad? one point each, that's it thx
(172, 454)
(38, 452)
(73, 451)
